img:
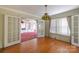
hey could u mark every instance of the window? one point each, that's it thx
(53, 26)
(65, 27)
(60, 26)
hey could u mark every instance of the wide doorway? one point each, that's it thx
(28, 30)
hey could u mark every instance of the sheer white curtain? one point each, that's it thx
(60, 26)
(53, 26)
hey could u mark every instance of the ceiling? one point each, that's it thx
(38, 10)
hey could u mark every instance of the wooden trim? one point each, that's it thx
(1, 49)
(63, 41)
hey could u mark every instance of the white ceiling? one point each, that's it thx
(39, 10)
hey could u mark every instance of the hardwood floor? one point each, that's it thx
(42, 45)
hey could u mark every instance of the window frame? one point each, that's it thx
(59, 27)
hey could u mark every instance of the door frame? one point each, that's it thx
(72, 35)
(26, 21)
(5, 44)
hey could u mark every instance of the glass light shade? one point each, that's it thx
(46, 17)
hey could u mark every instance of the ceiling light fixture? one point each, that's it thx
(46, 16)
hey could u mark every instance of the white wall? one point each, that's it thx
(47, 28)
(64, 14)
(68, 13)
(12, 13)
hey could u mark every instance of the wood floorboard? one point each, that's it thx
(42, 45)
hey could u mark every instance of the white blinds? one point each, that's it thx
(60, 26)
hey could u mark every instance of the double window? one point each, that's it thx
(60, 26)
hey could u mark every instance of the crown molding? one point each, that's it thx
(18, 11)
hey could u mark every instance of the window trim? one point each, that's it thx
(56, 32)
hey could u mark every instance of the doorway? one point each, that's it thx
(28, 30)
(11, 30)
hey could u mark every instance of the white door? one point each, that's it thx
(75, 30)
(11, 30)
(41, 28)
